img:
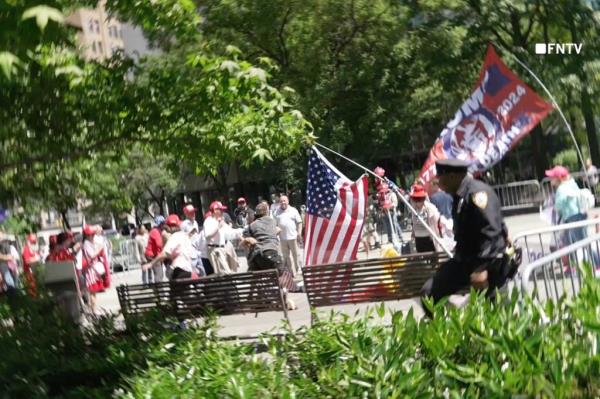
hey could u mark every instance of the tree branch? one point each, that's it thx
(254, 40)
(281, 40)
(49, 158)
(532, 18)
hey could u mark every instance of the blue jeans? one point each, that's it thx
(391, 224)
(8, 277)
(198, 267)
(576, 234)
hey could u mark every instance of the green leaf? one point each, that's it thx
(69, 70)
(261, 154)
(42, 15)
(9, 63)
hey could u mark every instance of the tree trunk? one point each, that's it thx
(590, 124)
(220, 180)
(65, 219)
(540, 154)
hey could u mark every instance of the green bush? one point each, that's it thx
(43, 354)
(570, 159)
(485, 350)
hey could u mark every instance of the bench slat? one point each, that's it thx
(250, 292)
(373, 280)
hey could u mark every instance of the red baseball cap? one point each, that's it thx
(241, 199)
(89, 230)
(418, 191)
(31, 238)
(189, 208)
(173, 220)
(557, 171)
(217, 205)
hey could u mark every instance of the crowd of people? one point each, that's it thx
(270, 235)
(180, 249)
(90, 251)
(174, 248)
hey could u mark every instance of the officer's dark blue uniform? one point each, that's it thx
(480, 235)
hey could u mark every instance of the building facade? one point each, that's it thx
(100, 35)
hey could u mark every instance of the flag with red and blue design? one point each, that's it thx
(498, 114)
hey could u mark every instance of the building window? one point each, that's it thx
(97, 25)
(120, 34)
(100, 47)
(91, 25)
(94, 47)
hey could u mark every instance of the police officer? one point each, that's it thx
(479, 231)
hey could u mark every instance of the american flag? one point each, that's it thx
(335, 212)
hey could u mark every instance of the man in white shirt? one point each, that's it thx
(197, 248)
(290, 224)
(218, 233)
(178, 248)
(190, 222)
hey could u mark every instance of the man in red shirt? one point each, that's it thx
(154, 248)
(31, 257)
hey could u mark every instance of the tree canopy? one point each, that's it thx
(382, 78)
(60, 112)
(248, 82)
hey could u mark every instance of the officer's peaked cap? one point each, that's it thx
(444, 166)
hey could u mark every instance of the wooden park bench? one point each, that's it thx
(251, 292)
(370, 280)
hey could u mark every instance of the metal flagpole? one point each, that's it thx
(400, 194)
(555, 104)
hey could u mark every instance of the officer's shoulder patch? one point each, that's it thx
(480, 199)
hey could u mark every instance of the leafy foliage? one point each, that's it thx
(61, 114)
(569, 159)
(380, 79)
(483, 350)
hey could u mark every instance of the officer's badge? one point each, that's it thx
(480, 199)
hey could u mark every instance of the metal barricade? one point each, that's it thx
(519, 195)
(541, 242)
(126, 257)
(560, 273)
(128, 249)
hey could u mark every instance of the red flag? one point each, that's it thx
(498, 114)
